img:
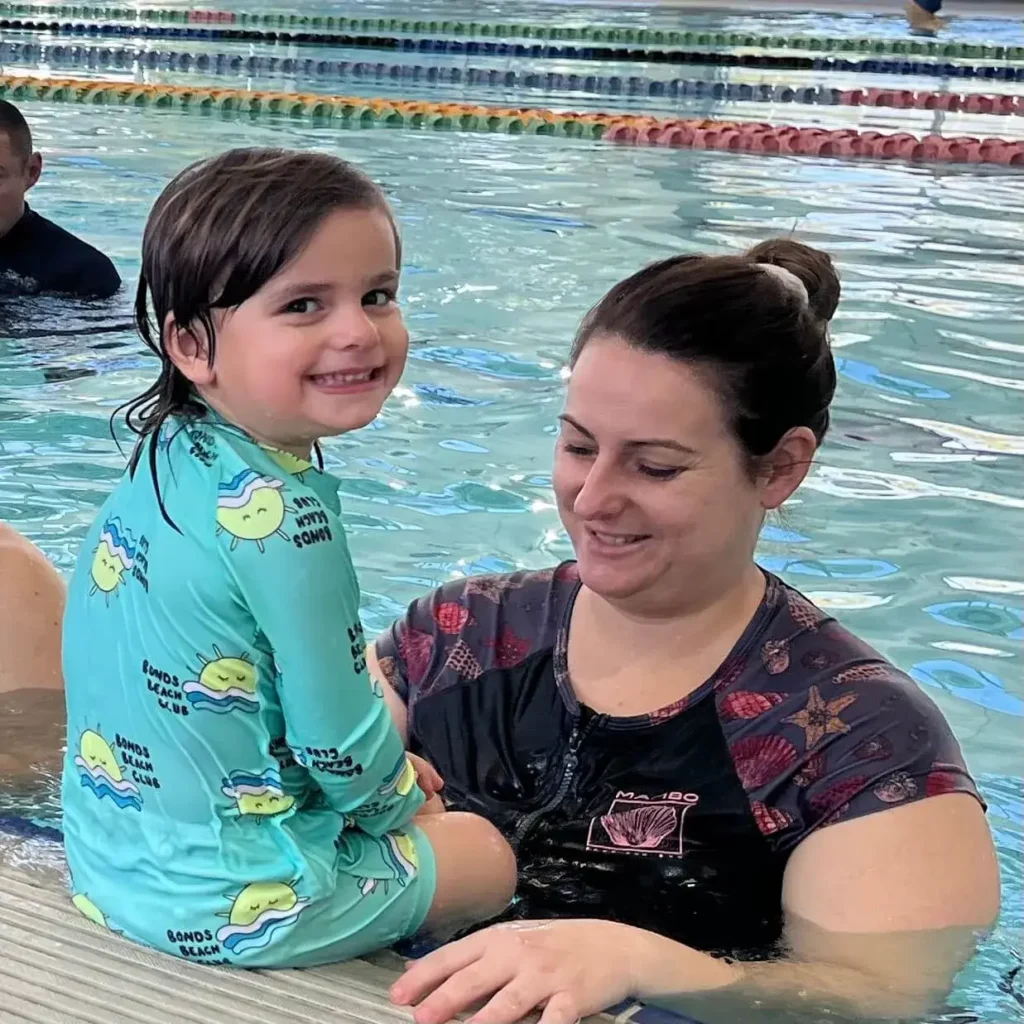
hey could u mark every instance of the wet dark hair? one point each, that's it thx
(215, 236)
(16, 128)
(762, 342)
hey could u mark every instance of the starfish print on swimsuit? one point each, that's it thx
(820, 718)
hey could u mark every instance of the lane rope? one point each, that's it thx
(430, 74)
(625, 129)
(519, 30)
(535, 50)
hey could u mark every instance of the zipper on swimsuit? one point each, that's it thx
(572, 761)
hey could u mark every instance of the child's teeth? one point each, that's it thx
(346, 378)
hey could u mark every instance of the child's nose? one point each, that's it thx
(353, 327)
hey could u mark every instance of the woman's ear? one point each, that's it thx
(783, 471)
(188, 348)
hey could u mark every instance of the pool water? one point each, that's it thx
(908, 526)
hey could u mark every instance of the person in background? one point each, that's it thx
(31, 609)
(923, 15)
(35, 254)
(31, 684)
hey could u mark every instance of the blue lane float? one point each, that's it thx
(985, 616)
(564, 52)
(985, 689)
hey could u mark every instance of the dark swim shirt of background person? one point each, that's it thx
(37, 255)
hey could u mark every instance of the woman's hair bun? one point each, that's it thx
(813, 267)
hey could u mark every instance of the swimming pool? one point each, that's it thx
(906, 526)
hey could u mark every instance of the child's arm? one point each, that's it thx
(306, 602)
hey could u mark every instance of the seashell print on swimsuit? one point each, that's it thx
(641, 824)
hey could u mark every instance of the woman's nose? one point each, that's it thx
(603, 492)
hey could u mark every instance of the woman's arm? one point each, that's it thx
(399, 712)
(881, 911)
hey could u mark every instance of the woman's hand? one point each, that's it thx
(570, 968)
(427, 776)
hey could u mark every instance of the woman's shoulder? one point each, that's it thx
(474, 624)
(821, 727)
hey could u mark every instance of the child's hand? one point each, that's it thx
(427, 776)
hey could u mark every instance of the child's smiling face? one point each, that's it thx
(319, 347)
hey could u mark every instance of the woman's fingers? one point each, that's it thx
(521, 995)
(424, 975)
(561, 1009)
(464, 989)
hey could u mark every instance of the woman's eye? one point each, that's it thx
(658, 473)
(302, 306)
(379, 297)
(577, 449)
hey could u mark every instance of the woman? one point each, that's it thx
(690, 759)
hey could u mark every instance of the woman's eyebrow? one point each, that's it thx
(638, 443)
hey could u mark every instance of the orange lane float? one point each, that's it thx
(623, 129)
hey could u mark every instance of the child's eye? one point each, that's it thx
(302, 306)
(379, 297)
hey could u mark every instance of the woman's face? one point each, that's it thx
(652, 487)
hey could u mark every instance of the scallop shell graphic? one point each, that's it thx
(770, 819)
(833, 799)
(642, 828)
(762, 759)
(803, 613)
(749, 703)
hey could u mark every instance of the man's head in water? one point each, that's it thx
(19, 165)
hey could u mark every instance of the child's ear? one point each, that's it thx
(188, 348)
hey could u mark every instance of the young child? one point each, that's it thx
(235, 791)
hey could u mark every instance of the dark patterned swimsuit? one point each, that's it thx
(680, 821)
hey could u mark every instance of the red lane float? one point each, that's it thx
(970, 103)
(789, 141)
